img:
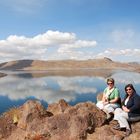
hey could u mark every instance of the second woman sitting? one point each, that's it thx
(130, 109)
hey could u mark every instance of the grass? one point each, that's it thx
(13, 113)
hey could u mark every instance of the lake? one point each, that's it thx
(51, 86)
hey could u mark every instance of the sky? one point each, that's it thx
(70, 29)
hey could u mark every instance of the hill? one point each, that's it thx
(104, 63)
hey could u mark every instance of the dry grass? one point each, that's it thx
(13, 113)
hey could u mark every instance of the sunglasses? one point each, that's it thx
(110, 83)
(128, 89)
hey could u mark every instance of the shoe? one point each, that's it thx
(128, 132)
(117, 127)
(109, 116)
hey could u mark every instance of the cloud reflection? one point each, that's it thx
(53, 88)
(127, 77)
(49, 89)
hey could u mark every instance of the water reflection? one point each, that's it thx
(18, 87)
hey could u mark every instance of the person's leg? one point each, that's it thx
(100, 104)
(109, 110)
(122, 119)
(123, 122)
(116, 112)
(110, 107)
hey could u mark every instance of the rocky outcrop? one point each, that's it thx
(84, 121)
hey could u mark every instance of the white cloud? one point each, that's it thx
(77, 44)
(54, 37)
(56, 45)
(63, 44)
(73, 84)
(115, 52)
(128, 77)
(120, 45)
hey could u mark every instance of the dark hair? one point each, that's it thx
(131, 86)
(126, 95)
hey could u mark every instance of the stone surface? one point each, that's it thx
(84, 121)
(30, 110)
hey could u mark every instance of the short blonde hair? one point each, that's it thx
(110, 80)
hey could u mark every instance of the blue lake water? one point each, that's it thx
(18, 87)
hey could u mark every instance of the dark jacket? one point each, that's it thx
(134, 105)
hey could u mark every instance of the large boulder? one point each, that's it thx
(30, 111)
(84, 121)
(59, 121)
(58, 108)
(71, 123)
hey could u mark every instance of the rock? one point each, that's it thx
(72, 123)
(135, 132)
(6, 125)
(58, 108)
(88, 109)
(84, 121)
(105, 133)
(30, 110)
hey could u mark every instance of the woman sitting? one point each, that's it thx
(130, 108)
(110, 98)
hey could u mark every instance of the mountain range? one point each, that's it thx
(33, 65)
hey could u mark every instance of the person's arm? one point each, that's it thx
(136, 103)
(125, 109)
(115, 100)
(116, 96)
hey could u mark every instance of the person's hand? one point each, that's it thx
(125, 109)
(105, 103)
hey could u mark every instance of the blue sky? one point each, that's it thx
(70, 29)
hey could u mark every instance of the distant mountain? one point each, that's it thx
(104, 63)
(134, 63)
